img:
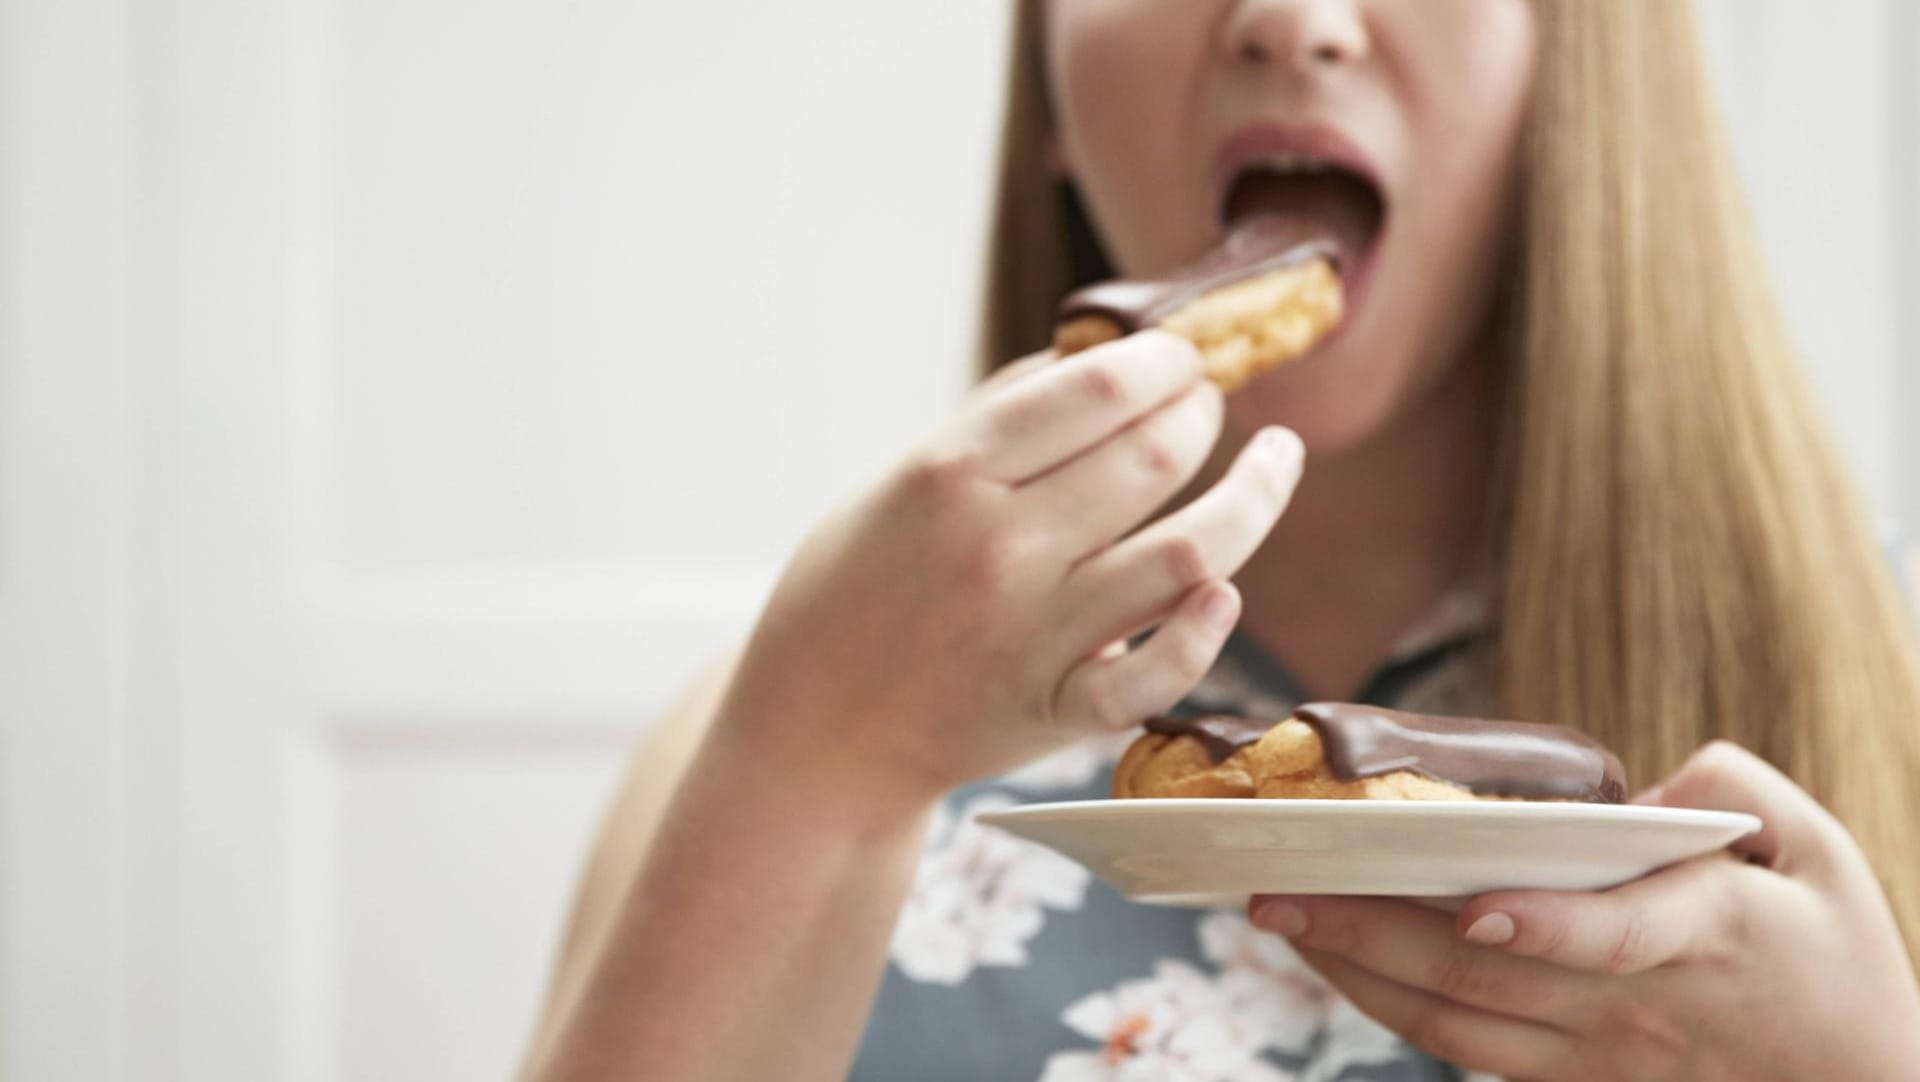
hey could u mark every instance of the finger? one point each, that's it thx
(1101, 494)
(1128, 586)
(1115, 689)
(1464, 1036)
(1688, 911)
(1013, 370)
(1796, 833)
(1025, 426)
(1416, 946)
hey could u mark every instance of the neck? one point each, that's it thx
(1375, 536)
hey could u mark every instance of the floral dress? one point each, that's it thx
(1011, 962)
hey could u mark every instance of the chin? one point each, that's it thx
(1334, 400)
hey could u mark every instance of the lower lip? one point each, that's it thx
(1353, 286)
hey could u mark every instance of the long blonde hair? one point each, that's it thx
(1684, 557)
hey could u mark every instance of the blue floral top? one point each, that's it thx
(1010, 962)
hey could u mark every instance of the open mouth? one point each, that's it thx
(1324, 201)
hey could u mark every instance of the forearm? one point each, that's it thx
(751, 941)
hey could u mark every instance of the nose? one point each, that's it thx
(1302, 34)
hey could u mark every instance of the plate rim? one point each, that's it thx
(1564, 811)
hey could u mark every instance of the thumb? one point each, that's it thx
(1723, 776)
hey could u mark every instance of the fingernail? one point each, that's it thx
(1283, 447)
(1282, 918)
(1221, 607)
(1492, 930)
(1278, 442)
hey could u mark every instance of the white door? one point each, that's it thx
(398, 398)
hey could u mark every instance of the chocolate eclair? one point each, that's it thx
(1344, 751)
(1264, 296)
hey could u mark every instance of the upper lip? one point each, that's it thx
(1260, 141)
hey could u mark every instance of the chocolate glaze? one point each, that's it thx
(1503, 758)
(1253, 248)
(1222, 734)
(1492, 758)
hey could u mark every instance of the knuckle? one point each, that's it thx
(1628, 953)
(1185, 560)
(991, 564)
(1158, 454)
(937, 476)
(1553, 938)
(1458, 975)
(1101, 386)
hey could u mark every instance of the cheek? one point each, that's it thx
(1120, 72)
(1112, 63)
(1475, 119)
(1466, 116)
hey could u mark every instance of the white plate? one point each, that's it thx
(1217, 852)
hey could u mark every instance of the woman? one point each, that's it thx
(1563, 467)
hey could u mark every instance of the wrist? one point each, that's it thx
(817, 764)
(756, 924)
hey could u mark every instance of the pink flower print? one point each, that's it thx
(1352, 1040)
(1178, 1024)
(978, 897)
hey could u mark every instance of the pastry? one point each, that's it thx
(1263, 297)
(1342, 751)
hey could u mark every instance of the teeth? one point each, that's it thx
(1294, 163)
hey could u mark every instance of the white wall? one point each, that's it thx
(399, 400)
(1824, 133)
(398, 397)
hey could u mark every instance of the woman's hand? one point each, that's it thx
(971, 612)
(947, 625)
(1786, 965)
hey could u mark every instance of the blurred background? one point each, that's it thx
(399, 398)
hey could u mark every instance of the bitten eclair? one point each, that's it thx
(1261, 298)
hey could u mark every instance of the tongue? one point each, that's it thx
(1332, 207)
